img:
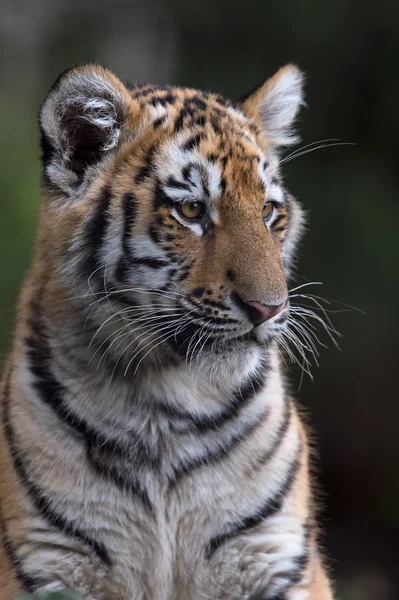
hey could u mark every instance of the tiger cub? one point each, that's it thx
(150, 449)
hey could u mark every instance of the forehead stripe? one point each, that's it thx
(172, 182)
(160, 121)
(193, 141)
(147, 168)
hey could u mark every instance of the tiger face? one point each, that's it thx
(165, 215)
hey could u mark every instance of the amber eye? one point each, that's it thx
(191, 210)
(268, 211)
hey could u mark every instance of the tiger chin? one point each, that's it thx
(150, 449)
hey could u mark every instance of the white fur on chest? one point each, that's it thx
(160, 554)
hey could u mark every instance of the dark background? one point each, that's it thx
(350, 53)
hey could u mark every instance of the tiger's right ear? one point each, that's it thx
(81, 121)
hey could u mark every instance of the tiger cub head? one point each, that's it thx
(165, 215)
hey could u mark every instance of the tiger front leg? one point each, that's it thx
(56, 576)
(278, 561)
(313, 584)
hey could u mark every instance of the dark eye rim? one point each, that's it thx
(198, 218)
(273, 204)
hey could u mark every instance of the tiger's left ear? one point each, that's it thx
(275, 104)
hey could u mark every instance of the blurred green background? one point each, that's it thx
(350, 52)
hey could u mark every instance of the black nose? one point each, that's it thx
(258, 313)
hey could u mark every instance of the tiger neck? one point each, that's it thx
(99, 391)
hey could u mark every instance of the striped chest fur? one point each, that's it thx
(149, 447)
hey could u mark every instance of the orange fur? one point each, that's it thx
(237, 254)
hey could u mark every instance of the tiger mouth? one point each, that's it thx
(193, 341)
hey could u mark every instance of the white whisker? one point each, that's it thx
(298, 154)
(308, 146)
(141, 348)
(135, 340)
(144, 320)
(305, 285)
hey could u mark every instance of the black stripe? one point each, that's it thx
(95, 232)
(206, 192)
(42, 503)
(118, 295)
(154, 233)
(124, 299)
(205, 316)
(185, 272)
(210, 458)
(158, 122)
(142, 174)
(292, 577)
(197, 101)
(239, 399)
(175, 183)
(186, 111)
(213, 303)
(179, 343)
(160, 197)
(129, 216)
(101, 451)
(278, 220)
(149, 261)
(224, 159)
(163, 100)
(270, 508)
(282, 430)
(147, 168)
(29, 583)
(215, 124)
(52, 393)
(130, 212)
(186, 172)
(223, 185)
(125, 483)
(193, 141)
(144, 90)
(200, 120)
(148, 89)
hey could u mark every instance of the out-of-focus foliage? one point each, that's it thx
(349, 50)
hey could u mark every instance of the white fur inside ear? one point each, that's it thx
(100, 113)
(280, 105)
(82, 120)
(93, 99)
(98, 103)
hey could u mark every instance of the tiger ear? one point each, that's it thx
(81, 122)
(275, 104)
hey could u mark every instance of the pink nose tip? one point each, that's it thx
(259, 313)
